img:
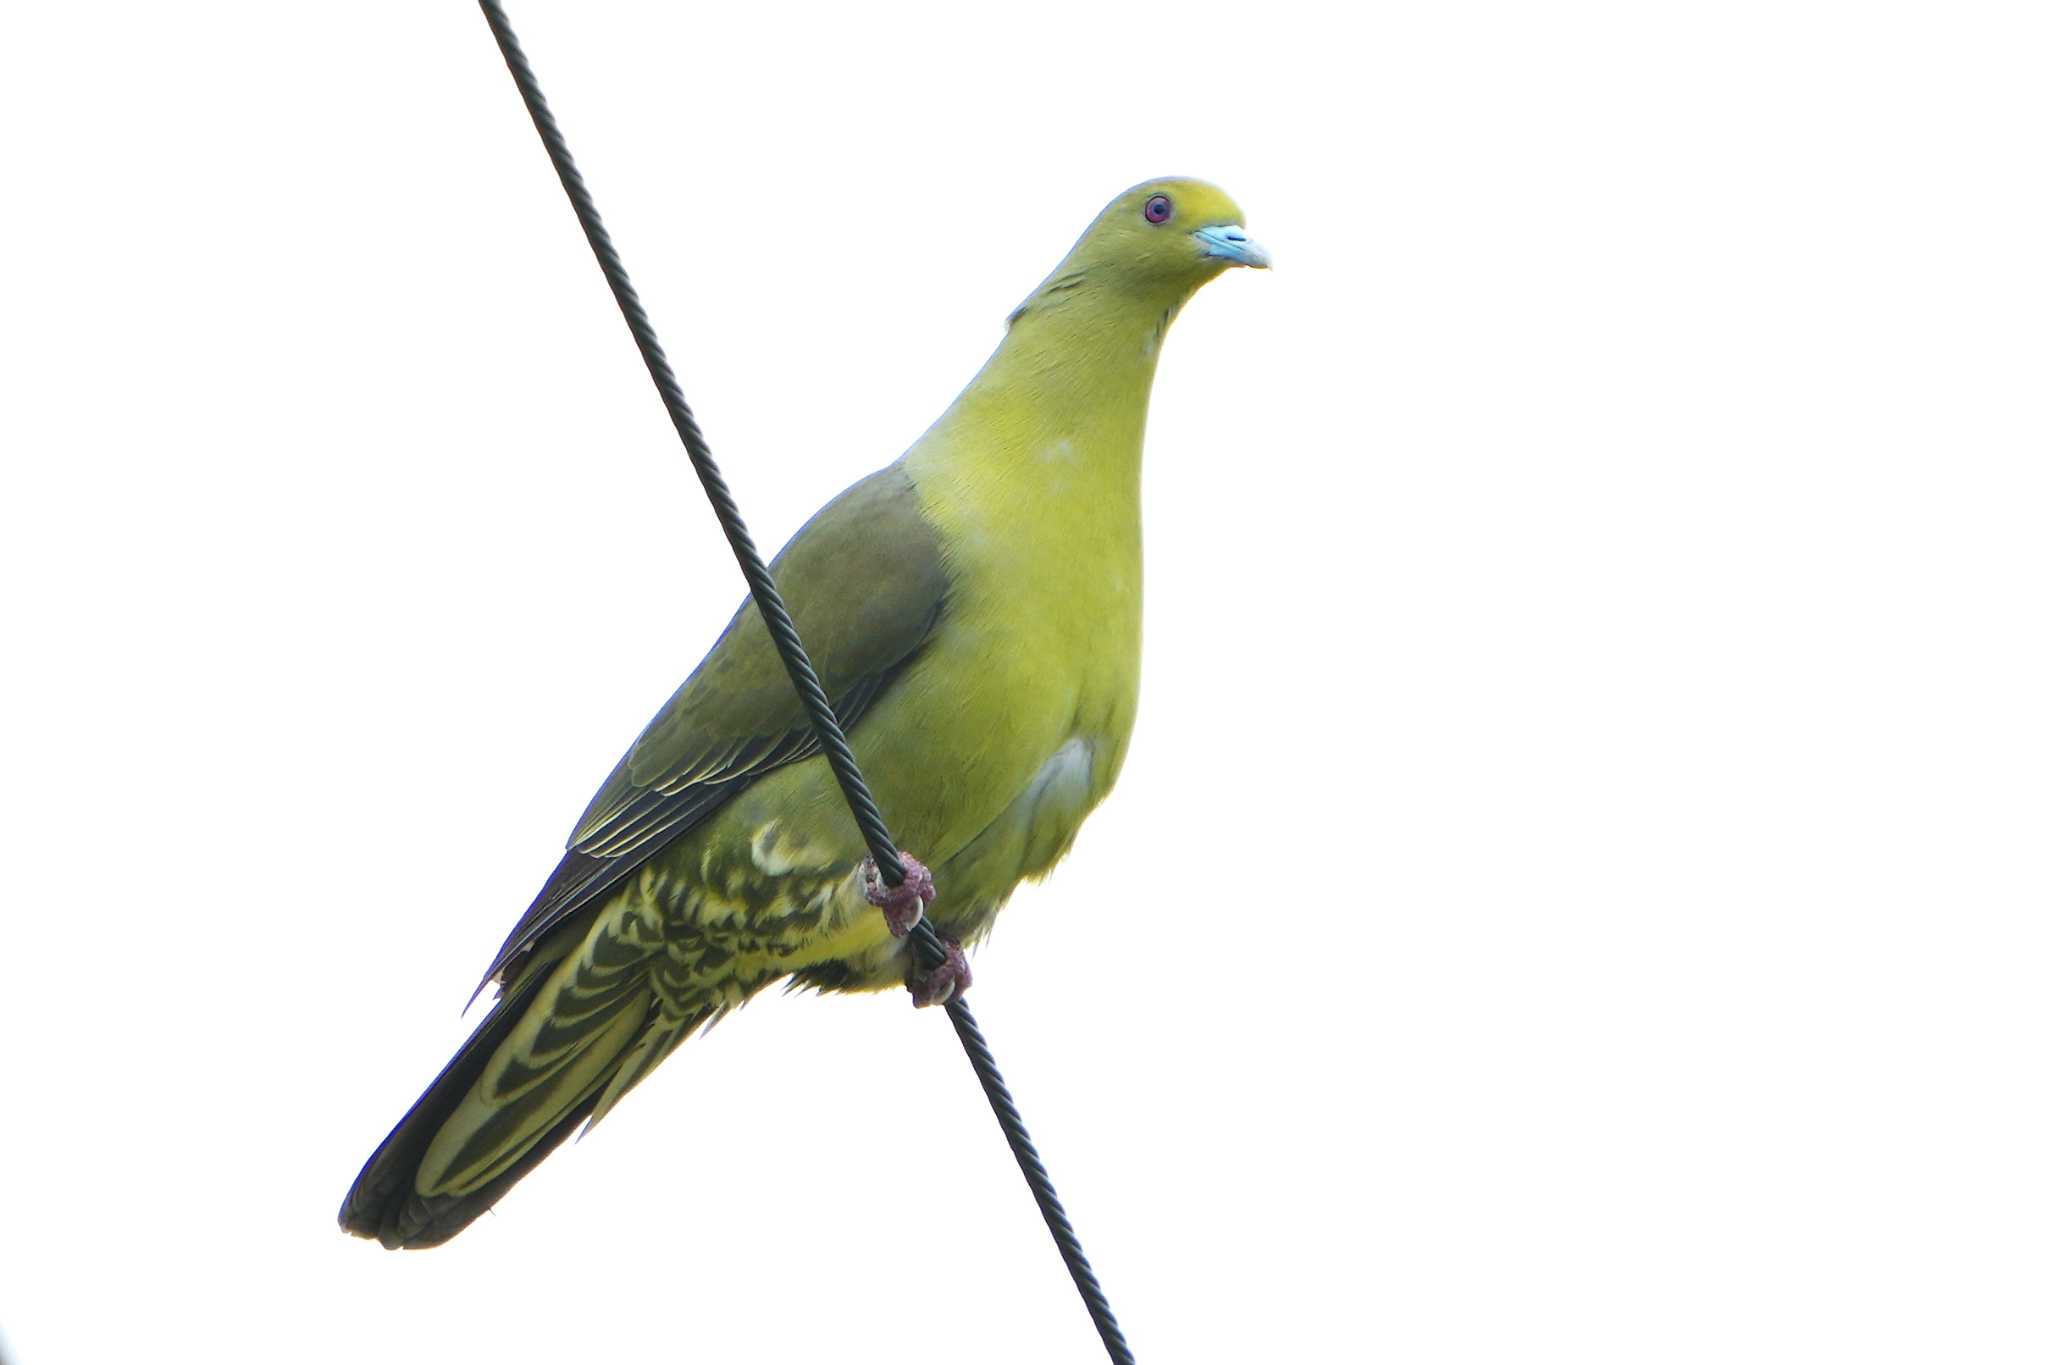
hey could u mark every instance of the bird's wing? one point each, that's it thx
(866, 583)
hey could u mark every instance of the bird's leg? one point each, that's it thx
(937, 985)
(901, 905)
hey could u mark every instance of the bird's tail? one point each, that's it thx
(568, 1037)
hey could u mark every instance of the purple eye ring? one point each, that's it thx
(1158, 209)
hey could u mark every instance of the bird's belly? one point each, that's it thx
(1025, 839)
(1029, 835)
(999, 746)
(1042, 820)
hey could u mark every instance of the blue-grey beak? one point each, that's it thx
(1229, 243)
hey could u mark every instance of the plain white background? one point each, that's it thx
(1577, 889)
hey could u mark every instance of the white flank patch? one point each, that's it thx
(1063, 778)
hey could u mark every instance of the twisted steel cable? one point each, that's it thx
(824, 723)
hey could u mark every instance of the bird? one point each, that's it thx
(973, 611)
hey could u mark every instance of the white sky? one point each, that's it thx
(1577, 891)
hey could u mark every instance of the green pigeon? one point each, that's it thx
(973, 611)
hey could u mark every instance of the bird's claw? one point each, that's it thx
(941, 984)
(901, 905)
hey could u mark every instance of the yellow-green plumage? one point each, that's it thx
(974, 611)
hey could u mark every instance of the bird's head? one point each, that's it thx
(1162, 238)
(1173, 231)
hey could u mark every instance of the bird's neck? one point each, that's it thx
(1083, 348)
(1058, 412)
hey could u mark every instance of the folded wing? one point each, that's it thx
(866, 584)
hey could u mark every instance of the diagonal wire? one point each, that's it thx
(783, 631)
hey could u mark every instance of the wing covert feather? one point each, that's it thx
(866, 583)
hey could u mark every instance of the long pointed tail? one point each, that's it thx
(537, 1066)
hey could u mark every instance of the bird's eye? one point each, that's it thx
(1158, 209)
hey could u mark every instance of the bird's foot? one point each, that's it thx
(901, 905)
(940, 984)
